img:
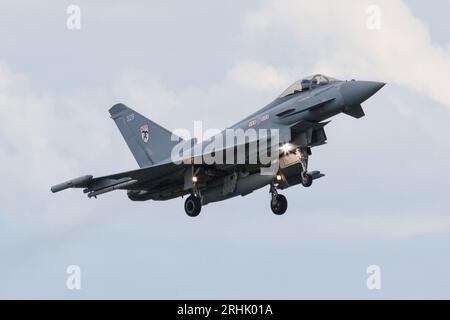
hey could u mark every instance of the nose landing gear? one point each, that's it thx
(278, 202)
(193, 206)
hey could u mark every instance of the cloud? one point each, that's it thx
(24, 128)
(143, 91)
(257, 75)
(46, 139)
(336, 33)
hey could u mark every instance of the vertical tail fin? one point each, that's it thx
(149, 142)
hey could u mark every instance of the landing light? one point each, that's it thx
(279, 177)
(287, 147)
(194, 179)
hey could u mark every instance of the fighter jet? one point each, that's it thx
(298, 116)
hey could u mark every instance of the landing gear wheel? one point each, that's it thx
(279, 204)
(193, 206)
(307, 180)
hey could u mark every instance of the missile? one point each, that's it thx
(119, 185)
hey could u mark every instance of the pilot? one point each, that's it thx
(306, 84)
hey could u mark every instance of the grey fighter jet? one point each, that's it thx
(299, 115)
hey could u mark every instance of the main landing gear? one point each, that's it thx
(193, 206)
(307, 179)
(278, 203)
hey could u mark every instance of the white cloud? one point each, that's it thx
(24, 128)
(44, 140)
(260, 76)
(143, 92)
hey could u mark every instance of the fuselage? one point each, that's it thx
(269, 147)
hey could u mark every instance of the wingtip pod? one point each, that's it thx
(79, 182)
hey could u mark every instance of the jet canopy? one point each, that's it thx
(307, 83)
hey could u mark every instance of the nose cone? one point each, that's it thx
(356, 92)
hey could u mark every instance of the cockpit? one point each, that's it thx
(307, 83)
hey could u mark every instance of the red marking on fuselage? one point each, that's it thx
(252, 123)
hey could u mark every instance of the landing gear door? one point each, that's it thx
(229, 184)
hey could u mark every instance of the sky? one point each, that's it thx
(384, 200)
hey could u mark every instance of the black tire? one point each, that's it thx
(192, 206)
(307, 180)
(279, 206)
